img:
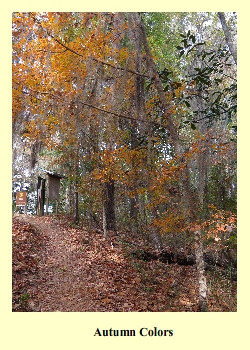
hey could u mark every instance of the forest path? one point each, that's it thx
(62, 277)
(79, 271)
(58, 267)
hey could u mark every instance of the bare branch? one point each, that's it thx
(121, 68)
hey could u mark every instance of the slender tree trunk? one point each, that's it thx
(134, 210)
(104, 221)
(191, 201)
(228, 36)
(203, 163)
(76, 197)
(109, 206)
(68, 200)
(139, 102)
(76, 207)
(156, 237)
(201, 272)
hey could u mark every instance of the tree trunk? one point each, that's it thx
(68, 200)
(76, 175)
(139, 105)
(199, 256)
(228, 36)
(156, 238)
(109, 205)
(104, 220)
(134, 210)
(190, 199)
(76, 210)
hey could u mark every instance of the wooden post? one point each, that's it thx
(56, 206)
(47, 206)
(47, 201)
(40, 196)
(43, 195)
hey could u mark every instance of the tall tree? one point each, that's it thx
(228, 36)
(191, 201)
(140, 114)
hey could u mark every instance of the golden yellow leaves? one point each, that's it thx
(123, 54)
(32, 131)
(122, 165)
(170, 222)
(178, 92)
(51, 123)
(152, 102)
(219, 227)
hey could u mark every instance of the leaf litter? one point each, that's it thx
(58, 268)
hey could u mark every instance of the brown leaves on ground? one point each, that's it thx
(61, 268)
(27, 243)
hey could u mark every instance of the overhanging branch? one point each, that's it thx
(101, 61)
(67, 48)
(119, 115)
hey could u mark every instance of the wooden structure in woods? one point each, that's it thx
(53, 187)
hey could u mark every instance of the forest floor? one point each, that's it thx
(63, 268)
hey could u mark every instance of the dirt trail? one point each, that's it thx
(77, 270)
(63, 276)
(80, 271)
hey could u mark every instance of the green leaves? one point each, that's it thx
(189, 44)
(191, 122)
(187, 103)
